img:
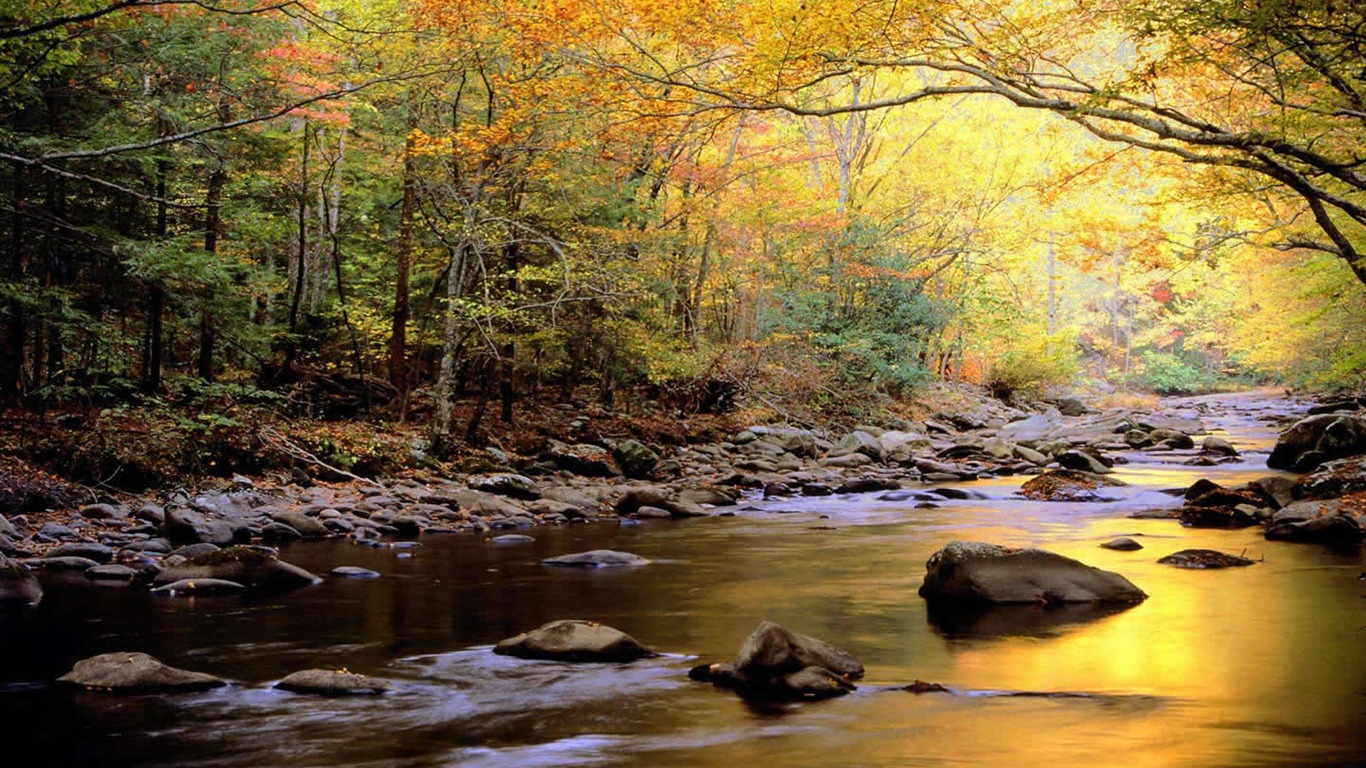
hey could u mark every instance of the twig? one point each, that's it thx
(293, 450)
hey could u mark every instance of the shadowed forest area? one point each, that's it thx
(452, 215)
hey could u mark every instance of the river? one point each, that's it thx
(1255, 666)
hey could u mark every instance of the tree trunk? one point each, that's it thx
(301, 261)
(156, 299)
(398, 333)
(207, 331)
(12, 359)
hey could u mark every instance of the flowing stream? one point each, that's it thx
(1251, 666)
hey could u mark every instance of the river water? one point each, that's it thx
(1255, 666)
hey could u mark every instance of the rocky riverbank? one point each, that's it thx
(1070, 448)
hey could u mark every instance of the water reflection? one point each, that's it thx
(991, 621)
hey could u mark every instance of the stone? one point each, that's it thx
(652, 496)
(597, 558)
(507, 484)
(353, 572)
(1203, 559)
(308, 527)
(1122, 544)
(66, 563)
(581, 459)
(1194, 516)
(1316, 439)
(1333, 479)
(111, 572)
(635, 458)
(772, 651)
(192, 587)
(1082, 461)
(1331, 530)
(985, 573)
(258, 570)
(88, 550)
(1218, 445)
(845, 461)
(186, 526)
(1067, 485)
(511, 540)
(18, 587)
(867, 485)
(135, 673)
(858, 441)
(576, 641)
(102, 512)
(333, 682)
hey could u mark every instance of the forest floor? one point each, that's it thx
(67, 457)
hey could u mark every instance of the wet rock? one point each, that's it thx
(1082, 461)
(307, 527)
(1333, 479)
(1171, 439)
(135, 673)
(581, 459)
(1035, 428)
(111, 572)
(986, 573)
(708, 494)
(331, 682)
(920, 686)
(1215, 517)
(1331, 530)
(1218, 445)
(858, 441)
(658, 497)
(353, 572)
(18, 587)
(776, 662)
(1067, 485)
(846, 461)
(1180, 424)
(1137, 438)
(258, 570)
(68, 563)
(574, 640)
(102, 512)
(1314, 440)
(1203, 559)
(867, 485)
(1122, 544)
(186, 526)
(84, 549)
(192, 587)
(511, 540)
(597, 558)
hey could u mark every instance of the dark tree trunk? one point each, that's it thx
(12, 358)
(156, 299)
(207, 330)
(301, 262)
(398, 334)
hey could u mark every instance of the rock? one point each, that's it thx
(772, 651)
(920, 686)
(353, 572)
(511, 540)
(1332, 530)
(635, 458)
(1122, 544)
(258, 570)
(1034, 428)
(1067, 485)
(18, 587)
(1083, 462)
(1215, 517)
(191, 587)
(898, 446)
(986, 573)
(1071, 406)
(1030, 455)
(658, 497)
(1137, 438)
(186, 526)
(1180, 424)
(867, 485)
(308, 527)
(581, 459)
(87, 550)
(1333, 479)
(597, 558)
(135, 673)
(574, 640)
(102, 512)
(1218, 445)
(846, 461)
(858, 441)
(1203, 558)
(776, 662)
(1314, 440)
(329, 682)
(506, 484)
(68, 563)
(1171, 439)
(111, 572)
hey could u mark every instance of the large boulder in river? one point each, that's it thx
(1342, 477)
(18, 587)
(985, 573)
(1067, 485)
(574, 640)
(256, 569)
(1314, 440)
(135, 673)
(1332, 530)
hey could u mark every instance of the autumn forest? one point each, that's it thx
(821, 205)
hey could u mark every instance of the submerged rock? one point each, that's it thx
(254, 568)
(1122, 544)
(986, 573)
(1067, 485)
(574, 640)
(135, 673)
(1203, 559)
(18, 587)
(597, 558)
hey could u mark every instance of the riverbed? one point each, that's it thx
(1254, 666)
